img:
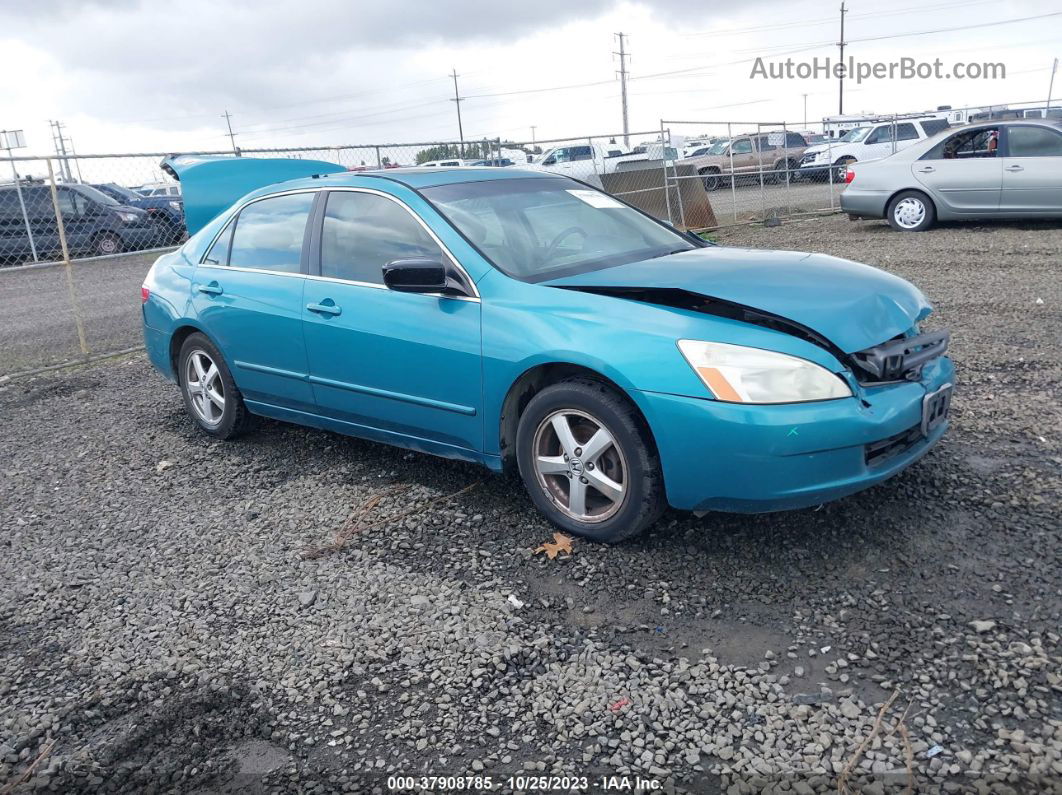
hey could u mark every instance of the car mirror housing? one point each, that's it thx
(416, 275)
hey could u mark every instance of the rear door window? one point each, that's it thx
(269, 233)
(1033, 142)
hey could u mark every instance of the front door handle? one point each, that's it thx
(210, 289)
(327, 307)
(926, 170)
(1014, 168)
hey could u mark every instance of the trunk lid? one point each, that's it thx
(210, 184)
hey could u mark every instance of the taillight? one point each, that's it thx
(145, 294)
(849, 175)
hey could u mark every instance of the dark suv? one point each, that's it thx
(166, 211)
(95, 223)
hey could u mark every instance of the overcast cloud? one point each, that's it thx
(134, 76)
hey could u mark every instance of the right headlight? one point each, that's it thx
(737, 374)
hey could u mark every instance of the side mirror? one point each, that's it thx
(416, 275)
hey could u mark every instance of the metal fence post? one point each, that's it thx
(22, 206)
(789, 176)
(66, 260)
(757, 142)
(667, 181)
(829, 157)
(733, 181)
(678, 178)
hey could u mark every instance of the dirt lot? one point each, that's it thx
(170, 620)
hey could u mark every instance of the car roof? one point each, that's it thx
(415, 178)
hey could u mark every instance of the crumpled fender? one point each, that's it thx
(211, 184)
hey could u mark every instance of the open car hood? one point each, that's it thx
(210, 184)
(851, 306)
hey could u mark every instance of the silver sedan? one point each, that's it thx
(991, 169)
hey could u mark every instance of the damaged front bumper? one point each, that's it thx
(762, 458)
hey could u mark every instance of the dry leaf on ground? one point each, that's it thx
(560, 543)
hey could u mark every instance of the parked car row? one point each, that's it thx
(97, 221)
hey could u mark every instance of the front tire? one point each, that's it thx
(911, 211)
(589, 462)
(210, 395)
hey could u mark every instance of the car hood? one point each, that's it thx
(851, 305)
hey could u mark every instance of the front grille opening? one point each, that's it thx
(877, 453)
(899, 359)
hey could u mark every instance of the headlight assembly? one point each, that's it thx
(737, 374)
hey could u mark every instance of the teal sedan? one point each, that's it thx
(528, 322)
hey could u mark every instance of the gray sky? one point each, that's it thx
(126, 75)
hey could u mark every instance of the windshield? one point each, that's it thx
(855, 136)
(118, 192)
(97, 195)
(537, 229)
(718, 148)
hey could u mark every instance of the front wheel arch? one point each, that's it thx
(531, 382)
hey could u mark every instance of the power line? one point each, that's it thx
(623, 87)
(830, 20)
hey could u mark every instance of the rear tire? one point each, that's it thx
(911, 211)
(712, 180)
(589, 462)
(840, 170)
(106, 244)
(210, 395)
(783, 172)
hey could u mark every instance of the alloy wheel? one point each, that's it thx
(579, 466)
(205, 387)
(909, 212)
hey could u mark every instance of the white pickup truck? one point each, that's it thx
(586, 161)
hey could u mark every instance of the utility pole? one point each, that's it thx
(533, 127)
(623, 85)
(1051, 86)
(840, 95)
(60, 150)
(805, 111)
(232, 136)
(457, 100)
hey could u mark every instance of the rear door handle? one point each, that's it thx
(210, 289)
(325, 309)
(1014, 168)
(926, 170)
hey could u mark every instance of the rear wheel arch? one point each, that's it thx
(895, 193)
(183, 332)
(922, 195)
(533, 381)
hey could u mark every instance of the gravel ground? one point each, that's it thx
(299, 611)
(37, 323)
